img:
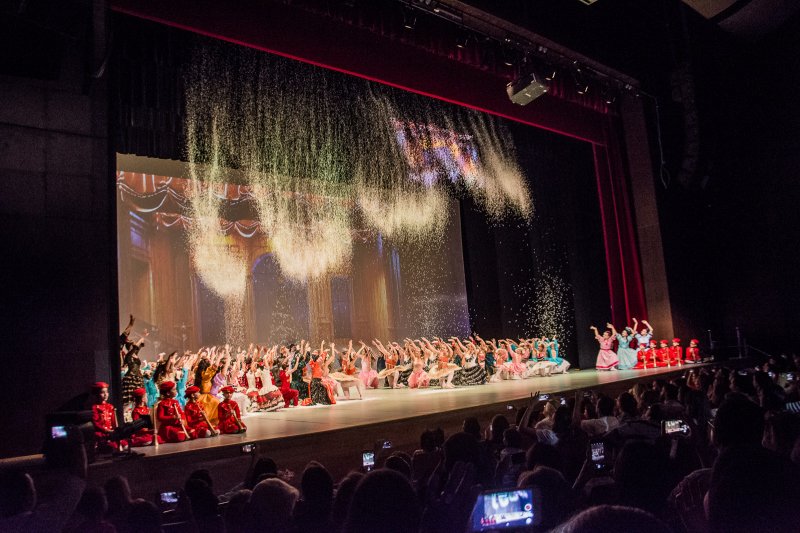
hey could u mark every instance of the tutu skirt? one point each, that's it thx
(367, 377)
(418, 379)
(627, 358)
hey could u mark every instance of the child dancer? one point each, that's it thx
(143, 437)
(606, 358)
(626, 354)
(662, 354)
(562, 365)
(644, 336)
(230, 418)
(368, 375)
(104, 418)
(169, 415)
(290, 395)
(197, 424)
(676, 352)
(693, 351)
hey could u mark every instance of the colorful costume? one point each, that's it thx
(626, 354)
(289, 394)
(562, 365)
(676, 352)
(693, 352)
(606, 358)
(230, 418)
(169, 417)
(196, 424)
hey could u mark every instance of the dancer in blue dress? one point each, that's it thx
(562, 365)
(626, 354)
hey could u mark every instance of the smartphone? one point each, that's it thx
(368, 460)
(563, 401)
(506, 509)
(544, 397)
(168, 499)
(598, 454)
(250, 447)
(387, 444)
(509, 407)
(675, 428)
(58, 432)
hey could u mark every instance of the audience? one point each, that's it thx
(731, 467)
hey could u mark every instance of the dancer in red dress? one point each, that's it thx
(662, 354)
(197, 423)
(693, 352)
(143, 437)
(230, 418)
(104, 418)
(169, 415)
(676, 352)
(290, 395)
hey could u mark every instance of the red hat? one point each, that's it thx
(227, 389)
(191, 390)
(695, 341)
(166, 386)
(653, 342)
(664, 341)
(139, 392)
(99, 385)
(676, 339)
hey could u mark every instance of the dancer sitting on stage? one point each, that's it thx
(392, 370)
(606, 358)
(471, 373)
(144, 436)
(368, 375)
(348, 378)
(444, 370)
(418, 378)
(230, 418)
(203, 375)
(662, 353)
(197, 424)
(693, 352)
(169, 415)
(104, 418)
(290, 395)
(626, 354)
(648, 356)
(333, 386)
(501, 368)
(562, 365)
(676, 353)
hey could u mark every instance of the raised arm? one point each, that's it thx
(610, 326)
(649, 327)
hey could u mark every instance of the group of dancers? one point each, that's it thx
(203, 394)
(636, 349)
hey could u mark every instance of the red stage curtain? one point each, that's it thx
(426, 64)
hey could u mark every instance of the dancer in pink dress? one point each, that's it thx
(418, 378)
(368, 375)
(606, 358)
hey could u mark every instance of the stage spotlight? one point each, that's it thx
(525, 89)
(551, 74)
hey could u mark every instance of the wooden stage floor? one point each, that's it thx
(380, 406)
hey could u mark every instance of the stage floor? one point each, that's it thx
(384, 405)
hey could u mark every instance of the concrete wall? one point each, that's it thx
(57, 302)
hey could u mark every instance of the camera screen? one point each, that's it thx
(248, 448)
(58, 432)
(674, 426)
(368, 459)
(563, 401)
(544, 397)
(387, 444)
(598, 452)
(503, 509)
(169, 497)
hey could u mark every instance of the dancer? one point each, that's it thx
(606, 358)
(230, 418)
(347, 378)
(444, 369)
(203, 376)
(392, 371)
(693, 352)
(644, 335)
(368, 375)
(562, 365)
(169, 415)
(471, 373)
(144, 436)
(418, 378)
(197, 424)
(626, 354)
(676, 353)
(319, 394)
(333, 386)
(662, 354)
(290, 395)
(104, 419)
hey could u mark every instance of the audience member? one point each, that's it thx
(384, 500)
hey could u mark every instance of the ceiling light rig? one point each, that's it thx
(496, 42)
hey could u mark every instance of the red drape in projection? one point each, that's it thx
(379, 53)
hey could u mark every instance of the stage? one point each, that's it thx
(335, 435)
